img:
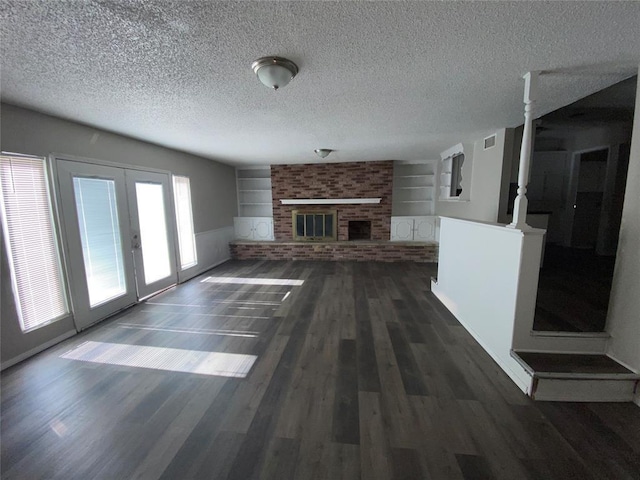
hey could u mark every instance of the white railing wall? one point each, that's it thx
(487, 277)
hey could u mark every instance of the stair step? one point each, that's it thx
(577, 377)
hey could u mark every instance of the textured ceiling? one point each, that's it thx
(378, 80)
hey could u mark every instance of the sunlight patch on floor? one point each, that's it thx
(254, 281)
(257, 302)
(197, 331)
(162, 358)
(225, 315)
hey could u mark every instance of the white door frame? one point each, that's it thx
(572, 190)
(131, 179)
(60, 219)
(85, 315)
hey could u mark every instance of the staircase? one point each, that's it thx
(567, 377)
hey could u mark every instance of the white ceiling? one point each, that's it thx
(378, 80)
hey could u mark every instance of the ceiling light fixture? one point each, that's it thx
(274, 72)
(323, 152)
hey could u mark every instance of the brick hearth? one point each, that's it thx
(355, 251)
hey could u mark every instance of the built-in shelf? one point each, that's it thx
(414, 184)
(254, 191)
(328, 201)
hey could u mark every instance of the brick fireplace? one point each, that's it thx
(334, 180)
(367, 225)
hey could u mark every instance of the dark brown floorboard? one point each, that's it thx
(360, 373)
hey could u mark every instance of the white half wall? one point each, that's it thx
(623, 319)
(212, 248)
(479, 278)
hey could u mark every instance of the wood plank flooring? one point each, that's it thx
(358, 373)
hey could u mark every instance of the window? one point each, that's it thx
(30, 237)
(314, 225)
(184, 221)
(455, 189)
(455, 175)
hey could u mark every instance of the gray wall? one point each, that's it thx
(213, 190)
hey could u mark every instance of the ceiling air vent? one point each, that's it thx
(489, 142)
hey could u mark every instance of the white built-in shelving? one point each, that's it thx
(255, 207)
(254, 192)
(414, 188)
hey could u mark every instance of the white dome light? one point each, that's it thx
(274, 72)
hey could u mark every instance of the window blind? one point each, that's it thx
(32, 249)
(184, 221)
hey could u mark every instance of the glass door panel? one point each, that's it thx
(93, 200)
(100, 236)
(152, 229)
(153, 232)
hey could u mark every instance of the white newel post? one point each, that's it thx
(521, 202)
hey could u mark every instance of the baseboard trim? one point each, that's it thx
(36, 350)
(522, 379)
(213, 249)
(200, 271)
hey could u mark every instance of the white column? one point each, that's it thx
(521, 202)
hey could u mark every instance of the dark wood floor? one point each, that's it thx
(360, 373)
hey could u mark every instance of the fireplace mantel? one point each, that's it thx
(328, 201)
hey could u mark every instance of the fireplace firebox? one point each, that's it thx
(359, 229)
(314, 226)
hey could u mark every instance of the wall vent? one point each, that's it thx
(489, 142)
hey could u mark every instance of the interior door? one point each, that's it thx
(152, 237)
(95, 214)
(586, 219)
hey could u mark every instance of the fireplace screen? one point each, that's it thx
(314, 225)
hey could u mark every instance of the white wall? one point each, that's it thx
(213, 190)
(485, 183)
(623, 320)
(479, 281)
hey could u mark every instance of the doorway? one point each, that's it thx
(119, 236)
(589, 195)
(576, 277)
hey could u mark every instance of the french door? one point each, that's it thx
(120, 237)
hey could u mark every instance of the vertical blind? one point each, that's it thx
(29, 232)
(184, 221)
